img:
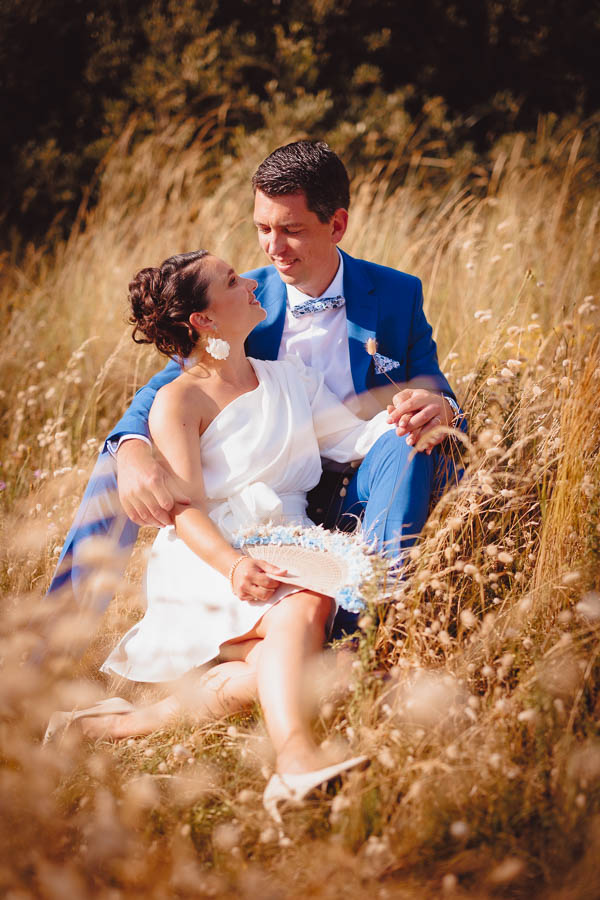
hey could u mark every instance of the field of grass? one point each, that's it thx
(475, 685)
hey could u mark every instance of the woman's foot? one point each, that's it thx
(132, 724)
(298, 755)
(295, 787)
(61, 720)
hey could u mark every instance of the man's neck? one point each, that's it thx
(322, 281)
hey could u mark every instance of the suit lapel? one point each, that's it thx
(361, 316)
(264, 340)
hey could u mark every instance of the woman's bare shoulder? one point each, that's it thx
(182, 400)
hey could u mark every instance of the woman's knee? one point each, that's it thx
(318, 608)
(303, 609)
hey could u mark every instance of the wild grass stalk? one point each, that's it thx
(474, 689)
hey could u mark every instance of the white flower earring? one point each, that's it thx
(217, 348)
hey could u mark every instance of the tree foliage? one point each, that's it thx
(76, 73)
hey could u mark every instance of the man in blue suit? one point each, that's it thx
(359, 323)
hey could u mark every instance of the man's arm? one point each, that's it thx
(144, 487)
(427, 407)
(135, 420)
(423, 368)
(144, 490)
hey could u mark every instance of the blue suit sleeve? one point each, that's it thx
(422, 355)
(422, 361)
(135, 420)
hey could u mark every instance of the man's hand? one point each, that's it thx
(421, 415)
(143, 486)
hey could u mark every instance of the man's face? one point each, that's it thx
(300, 246)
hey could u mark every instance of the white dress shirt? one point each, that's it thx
(320, 339)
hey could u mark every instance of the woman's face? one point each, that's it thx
(232, 305)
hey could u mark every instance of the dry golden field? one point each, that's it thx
(475, 685)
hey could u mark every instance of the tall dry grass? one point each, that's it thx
(474, 688)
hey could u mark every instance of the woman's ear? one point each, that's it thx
(202, 323)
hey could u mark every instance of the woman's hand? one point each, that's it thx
(251, 582)
(423, 416)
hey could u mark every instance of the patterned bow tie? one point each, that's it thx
(313, 306)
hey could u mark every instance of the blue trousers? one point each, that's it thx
(392, 491)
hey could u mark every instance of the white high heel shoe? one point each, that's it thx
(294, 788)
(61, 721)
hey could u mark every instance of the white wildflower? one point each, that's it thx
(449, 883)
(589, 606)
(507, 871)
(505, 558)
(467, 619)
(460, 830)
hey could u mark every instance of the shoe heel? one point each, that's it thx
(274, 794)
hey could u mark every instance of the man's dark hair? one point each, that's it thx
(308, 167)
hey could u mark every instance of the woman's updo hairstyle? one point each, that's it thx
(162, 300)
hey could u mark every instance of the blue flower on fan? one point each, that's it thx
(356, 553)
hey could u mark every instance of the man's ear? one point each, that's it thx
(202, 323)
(339, 223)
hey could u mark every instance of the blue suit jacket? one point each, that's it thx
(381, 303)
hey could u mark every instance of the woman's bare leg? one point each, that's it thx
(272, 663)
(227, 688)
(294, 631)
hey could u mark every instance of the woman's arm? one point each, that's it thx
(341, 435)
(175, 426)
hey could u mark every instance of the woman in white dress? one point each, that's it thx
(243, 439)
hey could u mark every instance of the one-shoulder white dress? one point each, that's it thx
(260, 456)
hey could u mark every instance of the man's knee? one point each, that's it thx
(390, 446)
(392, 461)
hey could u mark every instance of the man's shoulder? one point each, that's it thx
(383, 274)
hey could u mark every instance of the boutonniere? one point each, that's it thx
(383, 364)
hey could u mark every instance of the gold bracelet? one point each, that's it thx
(233, 568)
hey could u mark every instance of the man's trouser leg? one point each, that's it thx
(392, 490)
(97, 547)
